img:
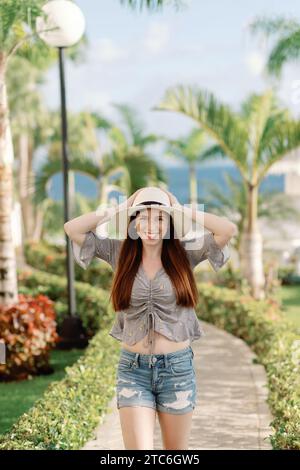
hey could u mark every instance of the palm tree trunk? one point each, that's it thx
(26, 185)
(8, 272)
(38, 229)
(252, 244)
(193, 184)
(103, 195)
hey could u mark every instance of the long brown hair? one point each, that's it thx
(174, 260)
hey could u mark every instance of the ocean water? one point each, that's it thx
(178, 183)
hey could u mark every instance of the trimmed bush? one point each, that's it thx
(28, 329)
(53, 260)
(69, 411)
(92, 303)
(263, 327)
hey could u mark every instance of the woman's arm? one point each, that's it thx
(222, 228)
(77, 228)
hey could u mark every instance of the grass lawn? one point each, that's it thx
(18, 396)
(290, 296)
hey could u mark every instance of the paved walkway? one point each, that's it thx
(231, 411)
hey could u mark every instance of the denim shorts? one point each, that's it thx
(164, 382)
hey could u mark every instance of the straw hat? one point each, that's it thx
(159, 199)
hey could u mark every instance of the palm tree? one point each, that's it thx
(152, 5)
(272, 206)
(83, 154)
(286, 32)
(129, 155)
(191, 149)
(31, 128)
(17, 37)
(16, 17)
(255, 138)
(127, 162)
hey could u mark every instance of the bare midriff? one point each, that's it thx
(163, 345)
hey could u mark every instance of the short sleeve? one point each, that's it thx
(116, 330)
(206, 247)
(95, 246)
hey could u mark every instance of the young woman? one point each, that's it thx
(154, 295)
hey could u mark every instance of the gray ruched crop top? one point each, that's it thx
(153, 301)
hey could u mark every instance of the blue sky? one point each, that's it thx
(134, 57)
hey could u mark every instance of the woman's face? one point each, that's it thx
(152, 225)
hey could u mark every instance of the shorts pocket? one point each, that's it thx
(182, 367)
(125, 363)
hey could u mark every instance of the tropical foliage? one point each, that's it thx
(254, 138)
(286, 35)
(29, 332)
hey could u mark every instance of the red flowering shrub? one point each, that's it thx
(28, 329)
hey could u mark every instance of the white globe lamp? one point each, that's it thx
(63, 24)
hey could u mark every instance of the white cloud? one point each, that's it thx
(96, 99)
(255, 62)
(105, 50)
(157, 36)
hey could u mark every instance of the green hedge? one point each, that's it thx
(92, 303)
(263, 327)
(70, 409)
(53, 260)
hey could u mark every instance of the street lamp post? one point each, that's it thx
(62, 26)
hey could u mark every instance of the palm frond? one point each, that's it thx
(286, 32)
(17, 21)
(286, 50)
(190, 148)
(133, 124)
(283, 138)
(259, 111)
(217, 119)
(213, 151)
(152, 5)
(118, 140)
(54, 166)
(273, 26)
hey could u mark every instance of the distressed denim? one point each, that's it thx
(165, 382)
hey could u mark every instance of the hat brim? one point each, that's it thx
(181, 220)
(133, 209)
